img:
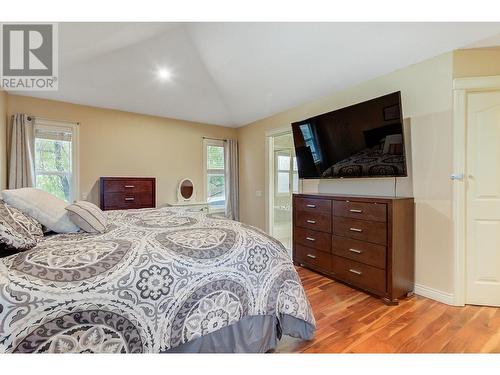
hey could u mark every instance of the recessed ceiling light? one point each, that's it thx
(164, 74)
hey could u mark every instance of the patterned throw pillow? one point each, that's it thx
(88, 217)
(27, 222)
(13, 236)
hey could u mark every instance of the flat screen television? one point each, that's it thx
(362, 140)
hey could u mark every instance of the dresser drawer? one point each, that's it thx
(361, 210)
(119, 201)
(313, 205)
(312, 238)
(359, 274)
(314, 220)
(360, 251)
(363, 230)
(128, 186)
(121, 193)
(312, 257)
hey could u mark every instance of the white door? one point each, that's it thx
(483, 198)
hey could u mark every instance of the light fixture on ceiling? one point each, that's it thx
(163, 74)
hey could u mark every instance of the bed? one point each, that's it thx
(159, 280)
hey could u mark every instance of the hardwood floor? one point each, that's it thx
(350, 321)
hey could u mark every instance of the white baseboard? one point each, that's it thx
(435, 294)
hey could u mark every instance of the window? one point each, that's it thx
(287, 178)
(56, 158)
(215, 174)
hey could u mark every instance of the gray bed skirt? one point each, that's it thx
(252, 334)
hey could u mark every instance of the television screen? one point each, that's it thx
(362, 140)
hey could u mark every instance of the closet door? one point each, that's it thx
(483, 198)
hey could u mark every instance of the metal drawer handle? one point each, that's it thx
(311, 256)
(311, 205)
(129, 186)
(356, 211)
(355, 230)
(129, 199)
(310, 239)
(355, 271)
(311, 221)
(355, 251)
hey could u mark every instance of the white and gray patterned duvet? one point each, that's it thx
(159, 278)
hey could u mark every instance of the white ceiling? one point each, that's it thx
(232, 74)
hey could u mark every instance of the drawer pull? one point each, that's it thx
(311, 205)
(129, 199)
(311, 221)
(355, 271)
(129, 186)
(356, 230)
(356, 210)
(311, 256)
(355, 251)
(310, 239)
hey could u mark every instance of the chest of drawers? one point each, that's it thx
(366, 242)
(121, 193)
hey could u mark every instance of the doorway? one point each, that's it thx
(477, 191)
(283, 182)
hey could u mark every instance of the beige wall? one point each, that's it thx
(476, 62)
(116, 143)
(3, 139)
(121, 143)
(427, 102)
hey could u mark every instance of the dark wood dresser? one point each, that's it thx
(363, 241)
(121, 193)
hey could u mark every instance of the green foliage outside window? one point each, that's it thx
(55, 185)
(216, 194)
(215, 157)
(53, 167)
(216, 187)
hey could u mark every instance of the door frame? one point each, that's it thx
(269, 167)
(461, 88)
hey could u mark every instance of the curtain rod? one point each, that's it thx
(215, 139)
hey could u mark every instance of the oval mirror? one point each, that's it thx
(186, 190)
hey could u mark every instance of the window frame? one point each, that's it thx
(218, 143)
(69, 127)
(291, 171)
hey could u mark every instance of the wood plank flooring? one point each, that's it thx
(350, 321)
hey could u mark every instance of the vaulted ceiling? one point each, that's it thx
(232, 74)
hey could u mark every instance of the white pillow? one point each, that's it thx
(47, 209)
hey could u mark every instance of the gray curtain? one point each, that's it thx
(232, 180)
(22, 152)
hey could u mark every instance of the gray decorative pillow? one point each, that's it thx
(13, 236)
(88, 217)
(27, 222)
